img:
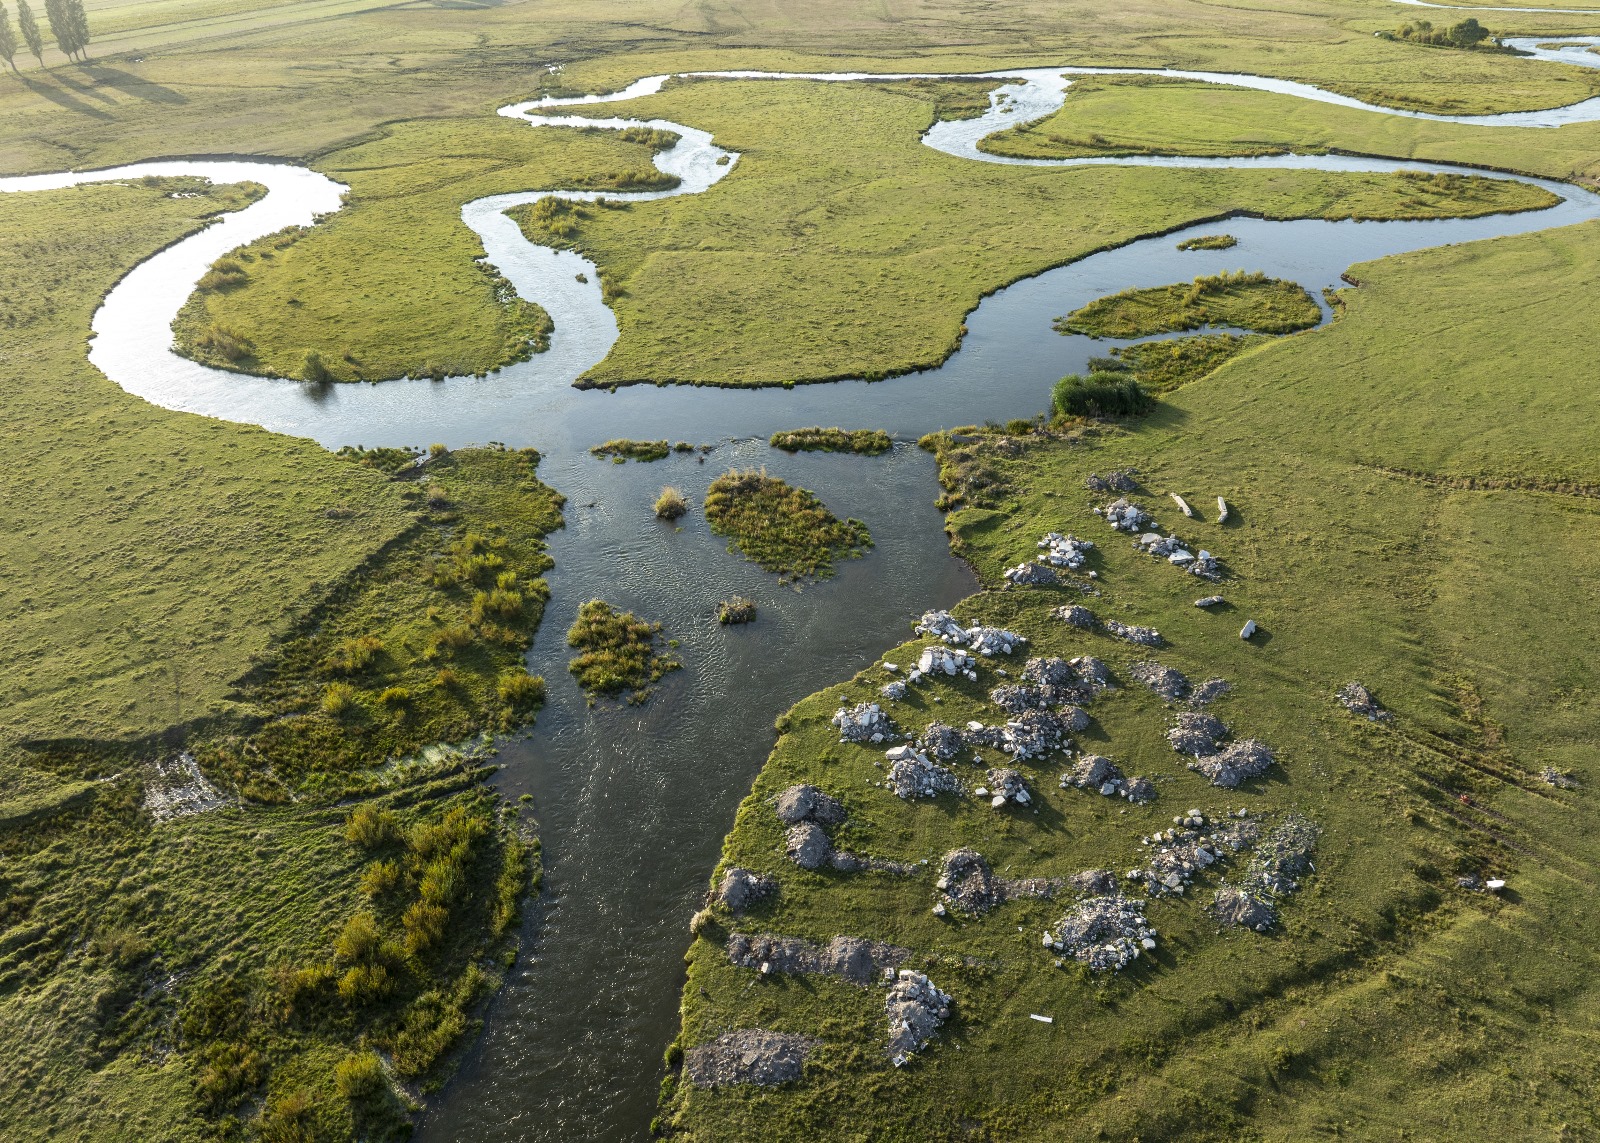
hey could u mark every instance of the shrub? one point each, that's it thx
(782, 528)
(431, 1025)
(618, 650)
(365, 983)
(220, 341)
(379, 878)
(425, 926)
(303, 989)
(496, 604)
(225, 274)
(395, 697)
(739, 609)
(288, 1119)
(314, 369)
(520, 690)
(339, 700)
(371, 828)
(227, 1071)
(354, 655)
(1100, 395)
(359, 942)
(360, 1077)
(670, 504)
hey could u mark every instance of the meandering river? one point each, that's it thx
(633, 802)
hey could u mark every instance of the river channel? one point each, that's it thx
(633, 802)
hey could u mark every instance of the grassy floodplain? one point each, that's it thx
(1413, 527)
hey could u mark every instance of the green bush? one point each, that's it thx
(1100, 395)
(425, 925)
(670, 504)
(340, 700)
(360, 1077)
(365, 983)
(379, 878)
(359, 942)
(227, 1072)
(520, 691)
(354, 655)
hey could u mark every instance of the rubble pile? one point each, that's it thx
(1125, 516)
(1117, 480)
(1065, 551)
(968, 885)
(864, 722)
(1177, 854)
(1209, 691)
(175, 788)
(1097, 773)
(1166, 682)
(1104, 933)
(1033, 733)
(1073, 718)
(1196, 734)
(1235, 763)
(1029, 574)
(941, 742)
(1095, 674)
(807, 845)
(1237, 909)
(1014, 698)
(739, 889)
(1358, 700)
(941, 625)
(1144, 636)
(894, 690)
(1281, 857)
(942, 660)
(1093, 882)
(915, 1008)
(807, 804)
(988, 641)
(911, 775)
(854, 959)
(1558, 778)
(1005, 785)
(1173, 550)
(748, 1056)
(1076, 615)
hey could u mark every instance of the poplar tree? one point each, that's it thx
(55, 13)
(8, 39)
(30, 31)
(80, 26)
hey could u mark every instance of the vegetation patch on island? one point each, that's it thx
(867, 442)
(1245, 300)
(618, 652)
(781, 528)
(1209, 242)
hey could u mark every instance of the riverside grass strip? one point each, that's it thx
(1388, 992)
(779, 527)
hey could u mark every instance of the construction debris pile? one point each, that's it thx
(864, 722)
(915, 1008)
(1358, 700)
(1065, 551)
(912, 775)
(1106, 932)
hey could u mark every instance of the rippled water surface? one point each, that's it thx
(633, 801)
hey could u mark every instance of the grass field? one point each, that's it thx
(1389, 1001)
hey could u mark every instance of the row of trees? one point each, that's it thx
(69, 24)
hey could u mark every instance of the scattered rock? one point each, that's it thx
(1139, 790)
(941, 625)
(1197, 734)
(1177, 553)
(940, 742)
(1104, 933)
(1076, 615)
(1014, 698)
(807, 845)
(739, 889)
(175, 788)
(1358, 700)
(1034, 733)
(1144, 636)
(1210, 601)
(916, 1009)
(1117, 480)
(1248, 630)
(1560, 779)
(1094, 882)
(988, 641)
(1126, 516)
(854, 959)
(1165, 681)
(864, 722)
(1209, 691)
(1006, 785)
(1028, 574)
(749, 1056)
(808, 804)
(1065, 551)
(894, 690)
(1238, 762)
(911, 775)
(943, 661)
(1281, 857)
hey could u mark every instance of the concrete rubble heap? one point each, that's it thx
(1099, 774)
(1093, 673)
(1358, 700)
(1197, 735)
(967, 885)
(1065, 551)
(1143, 636)
(1093, 882)
(1176, 553)
(916, 1009)
(1235, 763)
(988, 641)
(1281, 857)
(911, 775)
(1005, 785)
(1117, 480)
(894, 690)
(1014, 698)
(854, 959)
(1166, 682)
(940, 742)
(808, 804)
(1076, 615)
(1125, 516)
(864, 722)
(942, 625)
(1029, 574)
(739, 889)
(1104, 933)
(748, 1056)
(808, 845)
(1209, 691)
(943, 661)
(1034, 733)
(1060, 680)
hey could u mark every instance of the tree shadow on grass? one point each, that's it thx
(133, 85)
(62, 98)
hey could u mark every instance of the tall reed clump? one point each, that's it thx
(867, 442)
(670, 504)
(782, 528)
(1101, 395)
